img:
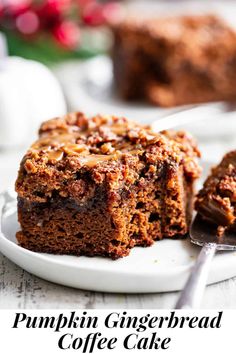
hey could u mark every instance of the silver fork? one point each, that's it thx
(205, 235)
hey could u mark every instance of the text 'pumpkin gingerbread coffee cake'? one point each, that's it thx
(102, 185)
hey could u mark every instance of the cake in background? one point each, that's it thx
(175, 61)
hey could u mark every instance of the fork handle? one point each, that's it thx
(192, 293)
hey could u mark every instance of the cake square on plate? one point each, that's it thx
(101, 185)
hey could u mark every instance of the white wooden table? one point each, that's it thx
(19, 289)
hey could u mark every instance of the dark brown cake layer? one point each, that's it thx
(216, 200)
(174, 61)
(100, 186)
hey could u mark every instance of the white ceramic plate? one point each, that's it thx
(164, 266)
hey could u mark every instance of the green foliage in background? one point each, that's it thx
(45, 50)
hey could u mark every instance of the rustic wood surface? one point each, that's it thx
(21, 290)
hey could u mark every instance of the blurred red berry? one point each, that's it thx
(112, 12)
(51, 12)
(57, 6)
(96, 14)
(27, 22)
(92, 14)
(83, 3)
(16, 7)
(67, 34)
